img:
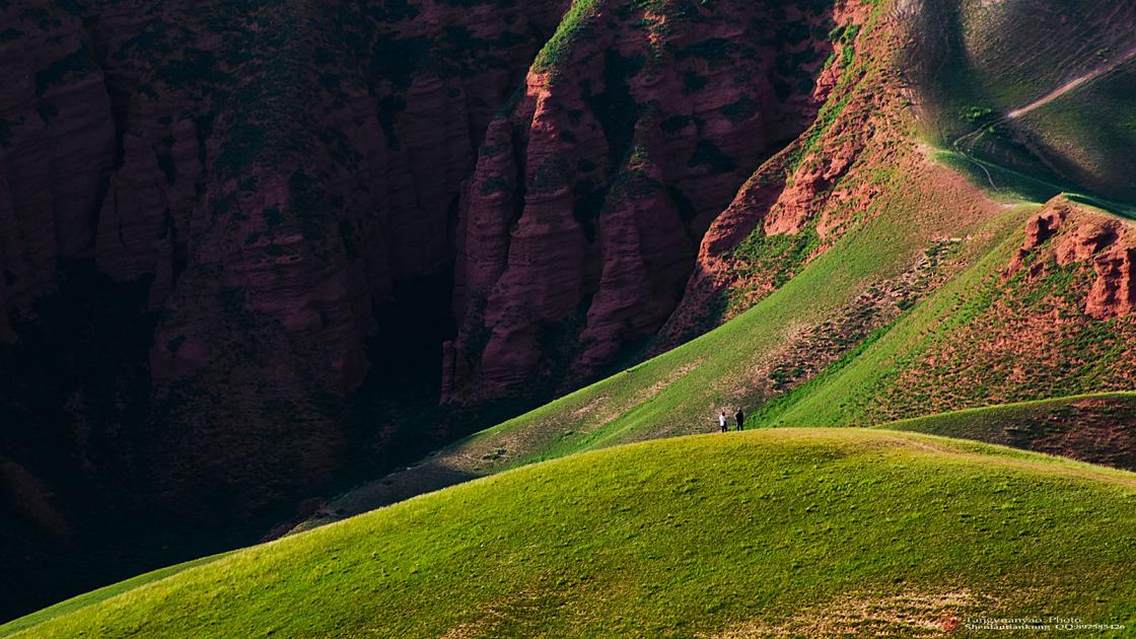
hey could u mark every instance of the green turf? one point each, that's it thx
(1000, 180)
(1013, 185)
(573, 25)
(982, 423)
(1097, 427)
(679, 392)
(853, 392)
(674, 539)
(842, 395)
(98, 596)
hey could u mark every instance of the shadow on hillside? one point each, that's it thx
(427, 477)
(1098, 429)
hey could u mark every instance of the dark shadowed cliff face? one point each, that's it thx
(580, 224)
(244, 244)
(214, 218)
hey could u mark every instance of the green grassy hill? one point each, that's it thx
(1037, 86)
(738, 535)
(1098, 428)
(100, 595)
(943, 348)
(681, 391)
(986, 337)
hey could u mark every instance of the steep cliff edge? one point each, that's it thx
(796, 205)
(637, 125)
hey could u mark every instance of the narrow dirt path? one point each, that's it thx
(1075, 83)
(1072, 85)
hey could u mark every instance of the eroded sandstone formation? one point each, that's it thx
(808, 192)
(580, 223)
(1084, 240)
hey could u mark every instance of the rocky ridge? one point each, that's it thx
(580, 224)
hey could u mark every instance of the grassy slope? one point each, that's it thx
(1098, 428)
(681, 391)
(1005, 183)
(984, 424)
(678, 537)
(839, 395)
(74, 604)
(863, 390)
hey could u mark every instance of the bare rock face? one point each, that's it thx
(1081, 239)
(1109, 245)
(133, 215)
(810, 186)
(57, 147)
(1039, 230)
(1114, 290)
(578, 229)
(646, 251)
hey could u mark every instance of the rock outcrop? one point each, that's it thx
(1087, 241)
(637, 125)
(812, 186)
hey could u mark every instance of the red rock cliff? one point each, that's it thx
(579, 226)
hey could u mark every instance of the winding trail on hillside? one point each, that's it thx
(1093, 74)
(1078, 82)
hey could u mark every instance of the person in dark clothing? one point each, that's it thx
(740, 416)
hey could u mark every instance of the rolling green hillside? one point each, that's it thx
(1098, 428)
(987, 337)
(968, 338)
(100, 595)
(681, 391)
(971, 337)
(738, 535)
(1041, 87)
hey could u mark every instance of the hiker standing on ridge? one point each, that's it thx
(741, 417)
(723, 423)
